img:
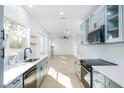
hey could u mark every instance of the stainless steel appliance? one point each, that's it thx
(86, 70)
(30, 78)
(97, 35)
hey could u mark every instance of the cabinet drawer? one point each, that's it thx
(98, 84)
(111, 84)
(99, 76)
(17, 83)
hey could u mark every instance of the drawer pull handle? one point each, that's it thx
(97, 81)
(16, 81)
(96, 72)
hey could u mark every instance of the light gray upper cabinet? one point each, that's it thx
(83, 34)
(1, 46)
(85, 28)
(114, 23)
(112, 16)
(87, 24)
(97, 17)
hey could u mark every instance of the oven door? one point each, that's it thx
(85, 77)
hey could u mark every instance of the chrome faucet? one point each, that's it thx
(25, 55)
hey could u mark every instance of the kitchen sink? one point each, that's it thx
(32, 60)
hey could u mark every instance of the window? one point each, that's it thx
(17, 34)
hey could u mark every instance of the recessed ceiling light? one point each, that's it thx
(31, 6)
(61, 13)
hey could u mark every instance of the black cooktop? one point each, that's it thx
(96, 62)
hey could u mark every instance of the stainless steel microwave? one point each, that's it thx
(97, 35)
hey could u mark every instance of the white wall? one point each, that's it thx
(20, 15)
(64, 46)
(110, 52)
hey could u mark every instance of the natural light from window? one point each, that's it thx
(18, 35)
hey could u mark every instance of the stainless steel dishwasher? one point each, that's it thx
(30, 78)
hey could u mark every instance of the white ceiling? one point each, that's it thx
(49, 17)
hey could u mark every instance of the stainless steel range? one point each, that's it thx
(86, 70)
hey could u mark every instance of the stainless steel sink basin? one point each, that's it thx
(32, 60)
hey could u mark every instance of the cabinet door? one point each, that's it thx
(83, 34)
(114, 23)
(97, 17)
(98, 84)
(1, 46)
(76, 66)
(79, 71)
(17, 83)
(111, 84)
(39, 73)
(46, 66)
(99, 76)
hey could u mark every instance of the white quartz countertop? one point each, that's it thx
(19, 69)
(115, 73)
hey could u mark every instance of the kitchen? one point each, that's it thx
(62, 46)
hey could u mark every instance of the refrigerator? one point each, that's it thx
(1, 45)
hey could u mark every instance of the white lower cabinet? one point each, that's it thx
(45, 66)
(98, 80)
(40, 73)
(17, 83)
(111, 84)
(98, 84)
(42, 68)
(78, 68)
(101, 81)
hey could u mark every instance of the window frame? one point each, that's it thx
(27, 35)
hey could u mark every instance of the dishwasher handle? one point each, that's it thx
(29, 73)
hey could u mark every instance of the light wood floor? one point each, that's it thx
(61, 73)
